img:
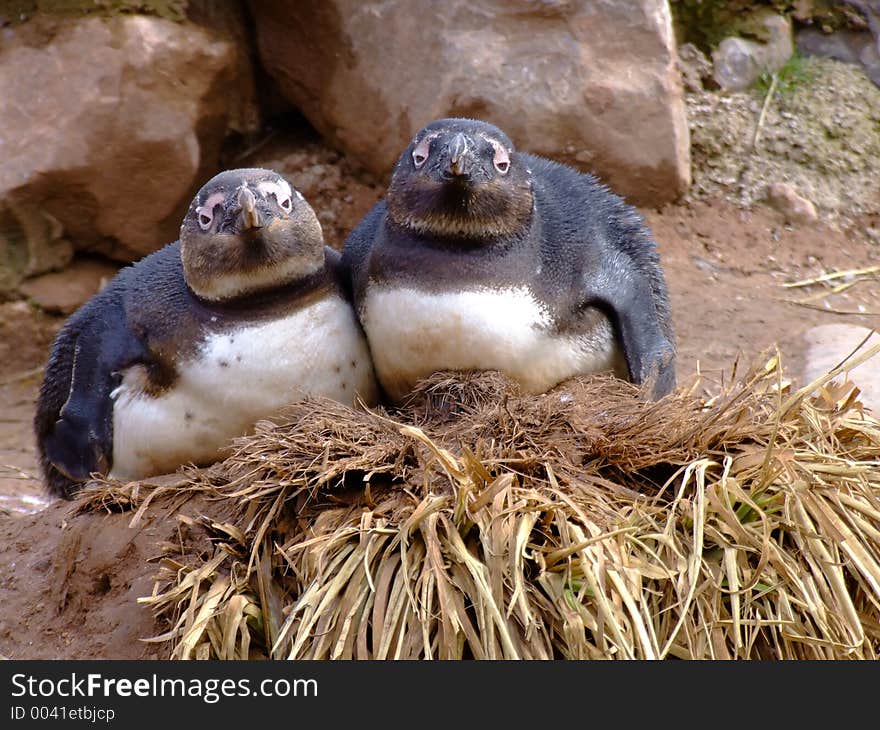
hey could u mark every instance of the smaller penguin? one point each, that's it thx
(484, 258)
(189, 347)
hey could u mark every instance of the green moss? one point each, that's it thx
(705, 23)
(796, 72)
(19, 10)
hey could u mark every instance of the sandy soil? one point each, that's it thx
(70, 583)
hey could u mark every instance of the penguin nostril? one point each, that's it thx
(457, 168)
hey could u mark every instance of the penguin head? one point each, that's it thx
(461, 178)
(246, 231)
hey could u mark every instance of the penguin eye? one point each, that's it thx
(285, 202)
(501, 160)
(420, 153)
(206, 217)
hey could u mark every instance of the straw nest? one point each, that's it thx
(585, 523)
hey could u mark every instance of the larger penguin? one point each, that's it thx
(193, 344)
(481, 257)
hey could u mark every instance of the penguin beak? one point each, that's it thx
(458, 149)
(248, 203)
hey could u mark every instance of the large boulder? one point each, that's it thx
(107, 128)
(593, 84)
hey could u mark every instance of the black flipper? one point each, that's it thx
(353, 265)
(53, 394)
(615, 257)
(628, 297)
(75, 429)
(356, 251)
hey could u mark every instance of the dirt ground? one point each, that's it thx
(68, 585)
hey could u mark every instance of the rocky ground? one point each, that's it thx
(818, 132)
(728, 256)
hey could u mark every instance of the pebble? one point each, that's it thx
(796, 208)
(327, 216)
(63, 292)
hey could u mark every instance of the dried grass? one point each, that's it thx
(584, 523)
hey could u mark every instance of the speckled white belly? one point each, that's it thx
(239, 378)
(413, 334)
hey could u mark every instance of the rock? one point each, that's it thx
(829, 344)
(736, 63)
(31, 243)
(230, 20)
(870, 10)
(869, 58)
(796, 208)
(739, 62)
(109, 125)
(66, 291)
(694, 67)
(844, 45)
(591, 84)
(848, 46)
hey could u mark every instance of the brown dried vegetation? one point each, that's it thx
(584, 523)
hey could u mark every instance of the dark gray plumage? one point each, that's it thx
(481, 257)
(191, 345)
